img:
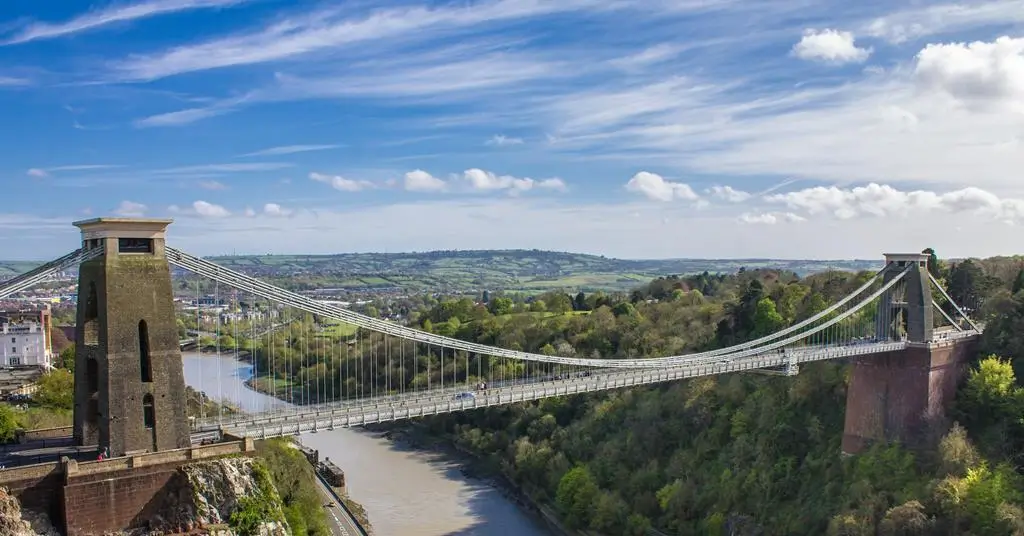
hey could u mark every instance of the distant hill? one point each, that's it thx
(524, 270)
(527, 270)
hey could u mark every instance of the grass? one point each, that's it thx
(36, 417)
(340, 330)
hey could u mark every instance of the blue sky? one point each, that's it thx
(654, 128)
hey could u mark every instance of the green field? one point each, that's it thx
(339, 330)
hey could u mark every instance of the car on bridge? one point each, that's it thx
(465, 395)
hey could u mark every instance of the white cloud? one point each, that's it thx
(130, 209)
(501, 140)
(209, 210)
(976, 74)
(291, 149)
(212, 185)
(728, 193)
(830, 46)
(37, 173)
(421, 181)
(601, 228)
(117, 13)
(484, 181)
(275, 210)
(770, 218)
(883, 201)
(341, 183)
(655, 187)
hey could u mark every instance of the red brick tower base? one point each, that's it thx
(903, 396)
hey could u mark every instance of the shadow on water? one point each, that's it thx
(488, 506)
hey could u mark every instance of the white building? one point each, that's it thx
(24, 344)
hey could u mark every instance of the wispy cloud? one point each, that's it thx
(930, 19)
(227, 168)
(291, 149)
(45, 172)
(501, 140)
(117, 13)
(12, 81)
(329, 29)
(212, 185)
(462, 74)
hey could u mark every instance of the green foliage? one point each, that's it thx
(295, 481)
(501, 306)
(66, 359)
(254, 510)
(56, 390)
(8, 424)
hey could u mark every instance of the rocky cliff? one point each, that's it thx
(15, 522)
(224, 497)
(236, 492)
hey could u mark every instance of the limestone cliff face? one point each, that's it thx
(15, 522)
(210, 492)
(202, 497)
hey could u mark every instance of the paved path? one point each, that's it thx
(337, 517)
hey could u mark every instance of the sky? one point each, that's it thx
(627, 128)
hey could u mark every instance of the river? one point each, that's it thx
(405, 492)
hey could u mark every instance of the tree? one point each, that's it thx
(56, 389)
(1018, 282)
(908, 519)
(933, 263)
(580, 302)
(66, 359)
(501, 306)
(8, 424)
(766, 319)
(577, 493)
(486, 297)
(966, 284)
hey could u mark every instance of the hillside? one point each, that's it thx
(526, 270)
(522, 270)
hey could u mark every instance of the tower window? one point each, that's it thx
(92, 375)
(90, 317)
(148, 411)
(134, 245)
(145, 362)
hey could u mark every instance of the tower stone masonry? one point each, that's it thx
(129, 382)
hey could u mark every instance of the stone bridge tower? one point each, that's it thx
(902, 396)
(129, 382)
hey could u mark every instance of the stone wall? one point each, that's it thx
(110, 495)
(28, 436)
(903, 396)
(109, 502)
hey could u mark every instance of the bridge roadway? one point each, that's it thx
(359, 412)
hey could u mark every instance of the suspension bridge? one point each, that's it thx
(900, 329)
